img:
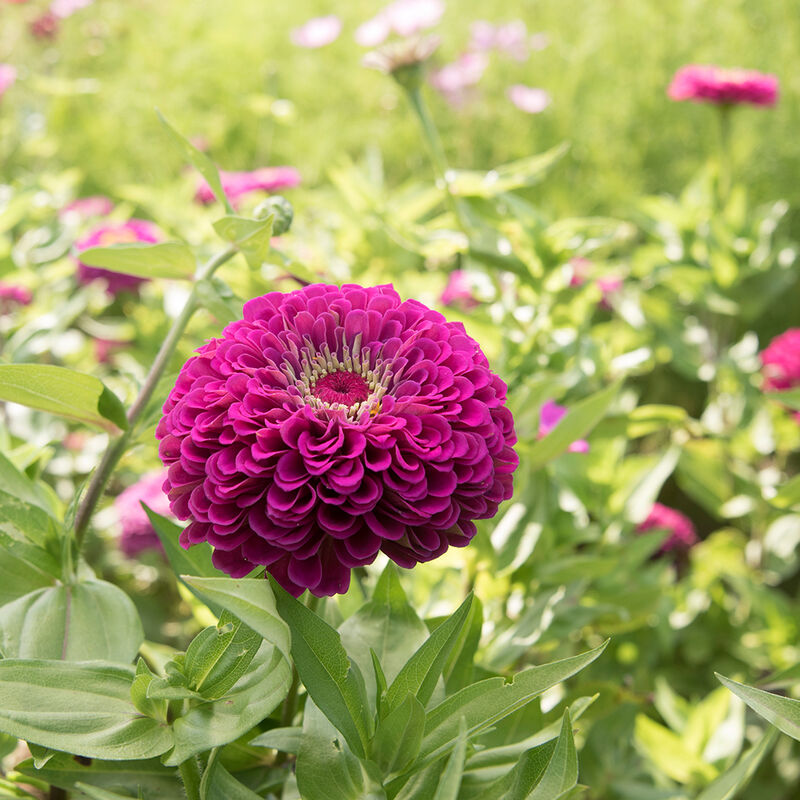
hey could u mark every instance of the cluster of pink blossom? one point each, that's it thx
(710, 84)
(238, 184)
(403, 18)
(781, 363)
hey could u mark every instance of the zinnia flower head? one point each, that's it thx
(453, 79)
(8, 75)
(137, 531)
(317, 32)
(682, 533)
(709, 84)
(331, 424)
(107, 234)
(86, 207)
(781, 360)
(238, 184)
(12, 295)
(528, 98)
(550, 415)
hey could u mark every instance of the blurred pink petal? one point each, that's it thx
(467, 70)
(317, 32)
(528, 98)
(458, 292)
(408, 17)
(482, 35)
(238, 184)
(701, 83)
(85, 207)
(512, 39)
(66, 8)
(8, 74)
(549, 416)
(374, 31)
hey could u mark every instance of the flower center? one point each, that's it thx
(342, 387)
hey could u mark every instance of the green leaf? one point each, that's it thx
(145, 260)
(334, 682)
(151, 707)
(399, 736)
(251, 600)
(731, 782)
(217, 297)
(155, 781)
(791, 398)
(459, 668)
(670, 754)
(17, 484)
(287, 740)
(96, 793)
(219, 784)
(253, 697)
(64, 392)
(80, 708)
(788, 495)
(523, 778)
(421, 672)
(83, 621)
(219, 655)
(201, 162)
(450, 782)
(251, 237)
(575, 424)
(782, 712)
(561, 773)
(488, 701)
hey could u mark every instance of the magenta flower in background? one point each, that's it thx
(238, 184)
(609, 286)
(317, 32)
(66, 8)
(12, 295)
(549, 416)
(709, 84)
(528, 99)
(781, 360)
(107, 234)
(45, 26)
(458, 292)
(403, 17)
(454, 79)
(86, 207)
(137, 531)
(331, 424)
(682, 533)
(581, 267)
(8, 75)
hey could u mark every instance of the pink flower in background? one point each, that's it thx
(403, 17)
(510, 38)
(105, 235)
(373, 32)
(609, 286)
(458, 292)
(66, 8)
(137, 531)
(104, 349)
(86, 207)
(8, 75)
(709, 84)
(45, 26)
(682, 533)
(549, 416)
(528, 98)
(239, 184)
(781, 360)
(454, 79)
(317, 32)
(12, 295)
(581, 267)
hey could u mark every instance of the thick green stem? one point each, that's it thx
(117, 448)
(436, 152)
(190, 775)
(725, 165)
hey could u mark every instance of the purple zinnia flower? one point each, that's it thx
(709, 84)
(239, 184)
(107, 234)
(549, 416)
(682, 533)
(331, 424)
(317, 32)
(137, 531)
(528, 99)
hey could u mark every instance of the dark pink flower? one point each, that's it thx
(238, 184)
(331, 424)
(137, 531)
(8, 75)
(709, 84)
(453, 79)
(317, 32)
(105, 235)
(528, 99)
(781, 360)
(12, 295)
(458, 291)
(682, 533)
(45, 26)
(86, 207)
(549, 416)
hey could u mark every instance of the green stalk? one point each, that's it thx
(190, 775)
(117, 448)
(725, 161)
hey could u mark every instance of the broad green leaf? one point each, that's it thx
(450, 782)
(669, 753)
(561, 773)
(96, 793)
(704, 719)
(287, 740)
(249, 599)
(254, 696)
(80, 708)
(782, 712)
(145, 260)
(523, 778)
(731, 782)
(219, 655)
(155, 781)
(150, 707)
(218, 298)
(459, 668)
(17, 484)
(488, 701)
(421, 672)
(334, 682)
(251, 237)
(219, 784)
(200, 161)
(63, 392)
(575, 424)
(89, 620)
(399, 736)
(24, 567)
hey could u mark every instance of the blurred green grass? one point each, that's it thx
(207, 66)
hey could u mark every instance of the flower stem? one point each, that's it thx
(725, 165)
(117, 448)
(190, 775)
(436, 152)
